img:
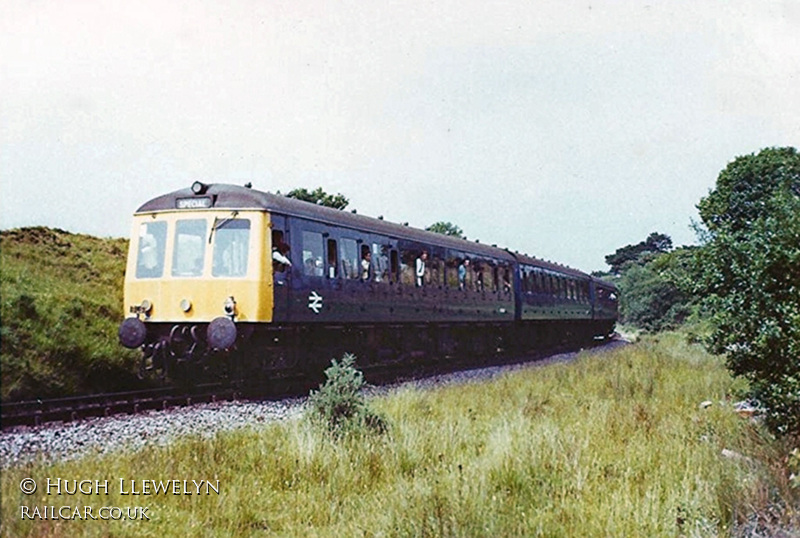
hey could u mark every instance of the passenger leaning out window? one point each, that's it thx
(366, 262)
(420, 269)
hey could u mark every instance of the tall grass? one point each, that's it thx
(60, 306)
(615, 444)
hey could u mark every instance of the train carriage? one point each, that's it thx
(219, 268)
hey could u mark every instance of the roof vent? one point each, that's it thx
(380, 217)
(405, 224)
(248, 185)
(353, 211)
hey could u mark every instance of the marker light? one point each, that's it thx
(186, 305)
(230, 306)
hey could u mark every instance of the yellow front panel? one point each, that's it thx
(252, 289)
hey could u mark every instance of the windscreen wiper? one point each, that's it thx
(219, 223)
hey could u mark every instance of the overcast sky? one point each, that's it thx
(561, 129)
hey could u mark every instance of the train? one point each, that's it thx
(228, 280)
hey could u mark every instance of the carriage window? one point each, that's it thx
(348, 250)
(150, 258)
(189, 251)
(312, 254)
(231, 246)
(489, 274)
(407, 265)
(333, 262)
(380, 262)
(395, 265)
(452, 267)
(506, 280)
(477, 270)
(436, 266)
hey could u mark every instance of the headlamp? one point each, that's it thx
(199, 187)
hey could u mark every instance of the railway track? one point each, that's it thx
(37, 412)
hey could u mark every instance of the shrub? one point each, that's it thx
(339, 403)
(749, 275)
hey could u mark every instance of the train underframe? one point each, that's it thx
(261, 352)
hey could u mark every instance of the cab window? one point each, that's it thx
(231, 247)
(189, 251)
(150, 257)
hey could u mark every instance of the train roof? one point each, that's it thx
(224, 196)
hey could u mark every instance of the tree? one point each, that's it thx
(446, 228)
(744, 188)
(319, 197)
(655, 243)
(656, 295)
(749, 274)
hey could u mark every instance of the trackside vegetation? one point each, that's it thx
(749, 277)
(339, 404)
(639, 441)
(739, 289)
(60, 305)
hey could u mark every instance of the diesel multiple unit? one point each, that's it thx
(220, 273)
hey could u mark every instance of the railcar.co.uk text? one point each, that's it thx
(126, 487)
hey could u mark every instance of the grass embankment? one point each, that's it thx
(61, 297)
(613, 445)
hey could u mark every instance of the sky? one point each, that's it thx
(557, 128)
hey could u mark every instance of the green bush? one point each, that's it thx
(339, 403)
(750, 277)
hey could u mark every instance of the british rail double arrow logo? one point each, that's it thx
(315, 302)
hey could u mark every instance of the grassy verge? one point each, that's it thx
(61, 297)
(616, 444)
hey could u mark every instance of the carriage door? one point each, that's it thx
(281, 271)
